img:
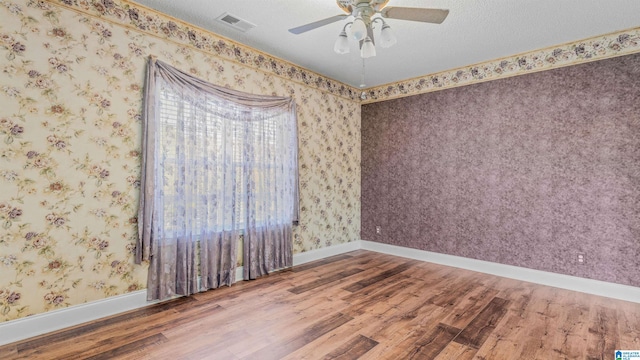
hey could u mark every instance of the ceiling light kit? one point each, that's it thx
(363, 13)
(364, 34)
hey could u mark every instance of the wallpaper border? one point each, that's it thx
(143, 19)
(619, 43)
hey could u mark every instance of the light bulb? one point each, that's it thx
(368, 49)
(387, 37)
(358, 29)
(342, 44)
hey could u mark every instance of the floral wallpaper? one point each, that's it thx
(70, 95)
(136, 16)
(596, 48)
(70, 100)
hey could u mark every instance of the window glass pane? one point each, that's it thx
(233, 149)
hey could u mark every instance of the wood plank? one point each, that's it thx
(364, 293)
(240, 288)
(320, 347)
(352, 349)
(453, 294)
(8, 352)
(274, 330)
(506, 341)
(323, 281)
(394, 328)
(425, 344)
(322, 262)
(73, 332)
(541, 317)
(546, 323)
(296, 341)
(132, 347)
(568, 337)
(197, 343)
(479, 329)
(457, 351)
(519, 293)
(379, 277)
(629, 325)
(362, 304)
(408, 309)
(139, 332)
(327, 343)
(507, 338)
(465, 308)
(603, 335)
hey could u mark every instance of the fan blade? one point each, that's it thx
(435, 16)
(316, 24)
(379, 4)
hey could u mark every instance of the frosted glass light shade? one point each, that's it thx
(387, 37)
(368, 49)
(358, 29)
(342, 44)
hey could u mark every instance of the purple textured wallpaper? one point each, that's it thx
(526, 171)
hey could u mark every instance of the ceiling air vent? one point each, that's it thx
(235, 22)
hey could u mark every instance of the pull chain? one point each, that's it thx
(363, 95)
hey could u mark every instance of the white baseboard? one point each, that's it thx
(239, 273)
(313, 255)
(595, 287)
(20, 329)
(30, 326)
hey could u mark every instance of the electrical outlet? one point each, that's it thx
(581, 259)
(378, 230)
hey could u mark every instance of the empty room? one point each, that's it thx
(350, 179)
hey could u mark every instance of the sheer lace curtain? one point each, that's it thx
(217, 165)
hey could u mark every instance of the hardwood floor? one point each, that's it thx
(360, 305)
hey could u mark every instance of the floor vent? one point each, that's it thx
(235, 22)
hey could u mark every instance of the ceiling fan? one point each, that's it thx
(361, 28)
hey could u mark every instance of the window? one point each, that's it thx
(215, 162)
(240, 156)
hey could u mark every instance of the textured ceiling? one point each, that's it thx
(475, 31)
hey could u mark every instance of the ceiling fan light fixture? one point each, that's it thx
(368, 49)
(387, 37)
(359, 29)
(342, 43)
(365, 15)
